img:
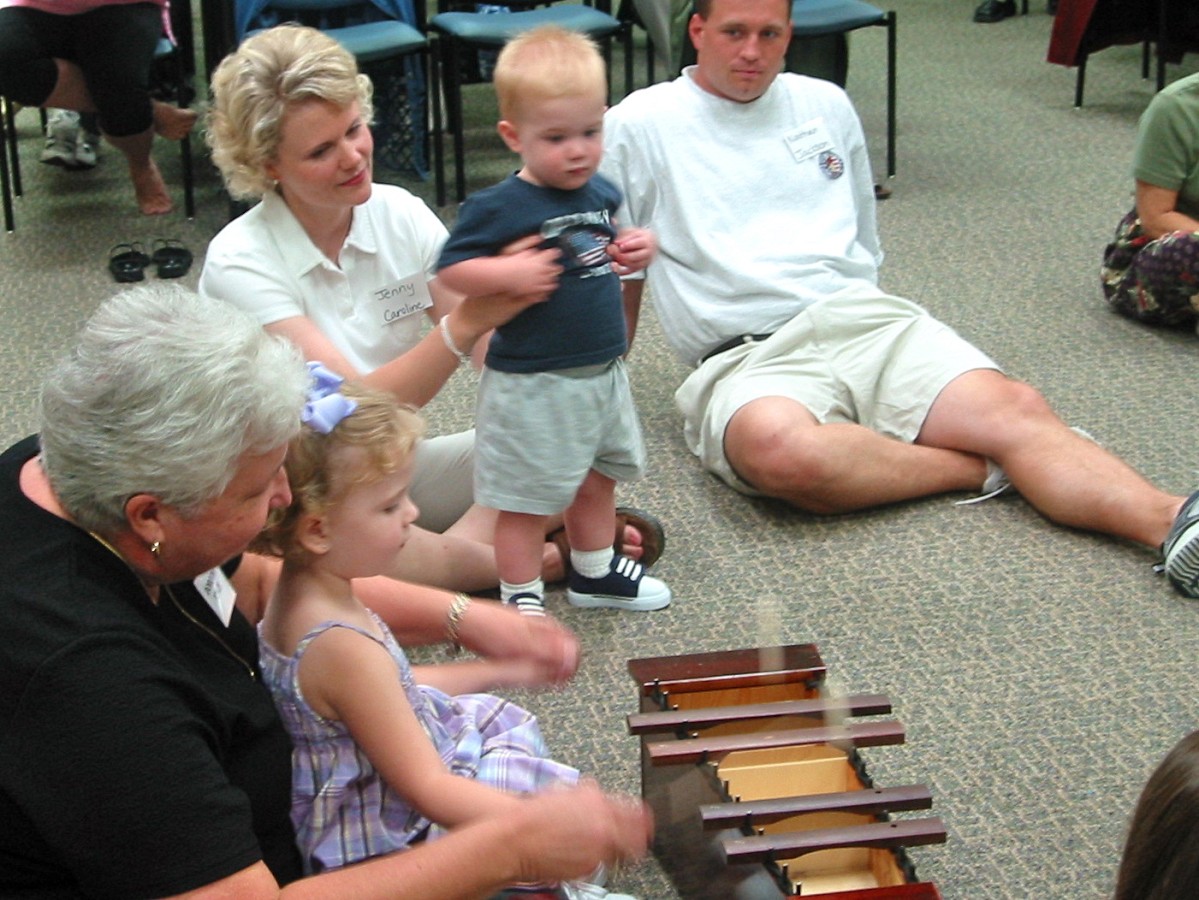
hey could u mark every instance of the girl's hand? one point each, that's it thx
(500, 633)
(633, 250)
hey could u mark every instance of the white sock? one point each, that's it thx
(508, 591)
(592, 563)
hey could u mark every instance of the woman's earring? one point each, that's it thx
(155, 547)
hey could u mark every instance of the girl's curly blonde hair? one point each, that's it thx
(375, 440)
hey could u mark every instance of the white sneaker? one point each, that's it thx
(62, 133)
(86, 150)
(581, 890)
(997, 482)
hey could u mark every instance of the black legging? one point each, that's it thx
(112, 45)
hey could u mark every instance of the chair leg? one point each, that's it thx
(628, 58)
(189, 187)
(14, 157)
(452, 77)
(435, 90)
(1080, 81)
(891, 45)
(5, 184)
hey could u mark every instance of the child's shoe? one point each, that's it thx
(626, 586)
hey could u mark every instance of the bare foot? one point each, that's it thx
(152, 196)
(173, 122)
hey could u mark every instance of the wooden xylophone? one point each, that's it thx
(757, 787)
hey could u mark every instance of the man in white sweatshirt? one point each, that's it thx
(811, 384)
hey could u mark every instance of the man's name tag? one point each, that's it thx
(402, 299)
(809, 140)
(217, 592)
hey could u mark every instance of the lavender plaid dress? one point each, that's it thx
(343, 810)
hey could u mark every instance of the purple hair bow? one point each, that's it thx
(326, 406)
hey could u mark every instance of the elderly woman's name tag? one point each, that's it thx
(217, 592)
(809, 140)
(402, 299)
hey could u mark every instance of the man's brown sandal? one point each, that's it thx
(653, 536)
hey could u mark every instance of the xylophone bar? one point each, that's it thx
(857, 734)
(726, 669)
(690, 719)
(871, 801)
(899, 833)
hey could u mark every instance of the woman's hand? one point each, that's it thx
(561, 835)
(548, 650)
(534, 276)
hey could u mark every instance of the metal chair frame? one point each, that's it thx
(855, 15)
(452, 28)
(11, 184)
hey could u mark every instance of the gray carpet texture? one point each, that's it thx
(1041, 672)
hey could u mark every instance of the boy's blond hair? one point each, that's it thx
(376, 439)
(544, 64)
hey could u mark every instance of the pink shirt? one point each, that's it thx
(72, 7)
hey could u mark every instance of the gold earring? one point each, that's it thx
(155, 547)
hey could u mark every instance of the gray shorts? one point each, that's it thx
(871, 359)
(538, 434)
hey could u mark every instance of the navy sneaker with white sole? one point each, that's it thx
(626, 586)
(527, 604)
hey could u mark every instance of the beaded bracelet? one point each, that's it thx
(444, 325)
(453, 620)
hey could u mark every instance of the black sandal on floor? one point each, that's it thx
(171, 257)
(128, 262)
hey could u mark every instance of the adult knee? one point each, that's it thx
(782, 460)
(27, 81)
(1022, 402)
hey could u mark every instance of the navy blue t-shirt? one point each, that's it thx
(583, 322)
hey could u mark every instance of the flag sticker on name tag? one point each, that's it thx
(809, 140)
(402, 299)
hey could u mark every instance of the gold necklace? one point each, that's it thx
(179, 606)
(216, 637)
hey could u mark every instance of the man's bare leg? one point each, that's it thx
(777, 446)
(1067, 478)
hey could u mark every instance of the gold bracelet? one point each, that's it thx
(453, 621)
(444, 325)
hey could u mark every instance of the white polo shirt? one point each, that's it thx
(371, 307)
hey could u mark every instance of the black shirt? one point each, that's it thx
(138, 757)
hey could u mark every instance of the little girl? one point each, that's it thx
(380, 761)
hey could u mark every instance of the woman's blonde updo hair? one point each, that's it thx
(255, 85)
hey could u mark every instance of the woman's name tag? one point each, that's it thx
(402, 299)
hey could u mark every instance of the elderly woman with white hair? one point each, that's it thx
(344, 268)
(140, 753)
